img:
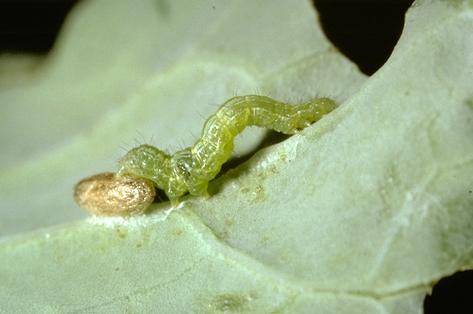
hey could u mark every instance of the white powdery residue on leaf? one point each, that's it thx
(135, 221)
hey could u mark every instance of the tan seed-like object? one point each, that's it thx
(109, 194)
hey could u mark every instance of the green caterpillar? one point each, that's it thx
(191, 169)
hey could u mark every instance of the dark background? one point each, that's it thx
(364, 31)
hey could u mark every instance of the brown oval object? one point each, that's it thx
(108, 194)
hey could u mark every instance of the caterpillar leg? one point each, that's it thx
(174, 201)
(200, 190)
(197, 190)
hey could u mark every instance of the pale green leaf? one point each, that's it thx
(360, 213)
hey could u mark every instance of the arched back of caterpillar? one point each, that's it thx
(191, 169)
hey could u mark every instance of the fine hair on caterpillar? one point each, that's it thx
(190, 169)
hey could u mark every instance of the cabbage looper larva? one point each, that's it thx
(191, 169)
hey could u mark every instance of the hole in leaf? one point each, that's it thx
(453, 294)
(364, 31)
